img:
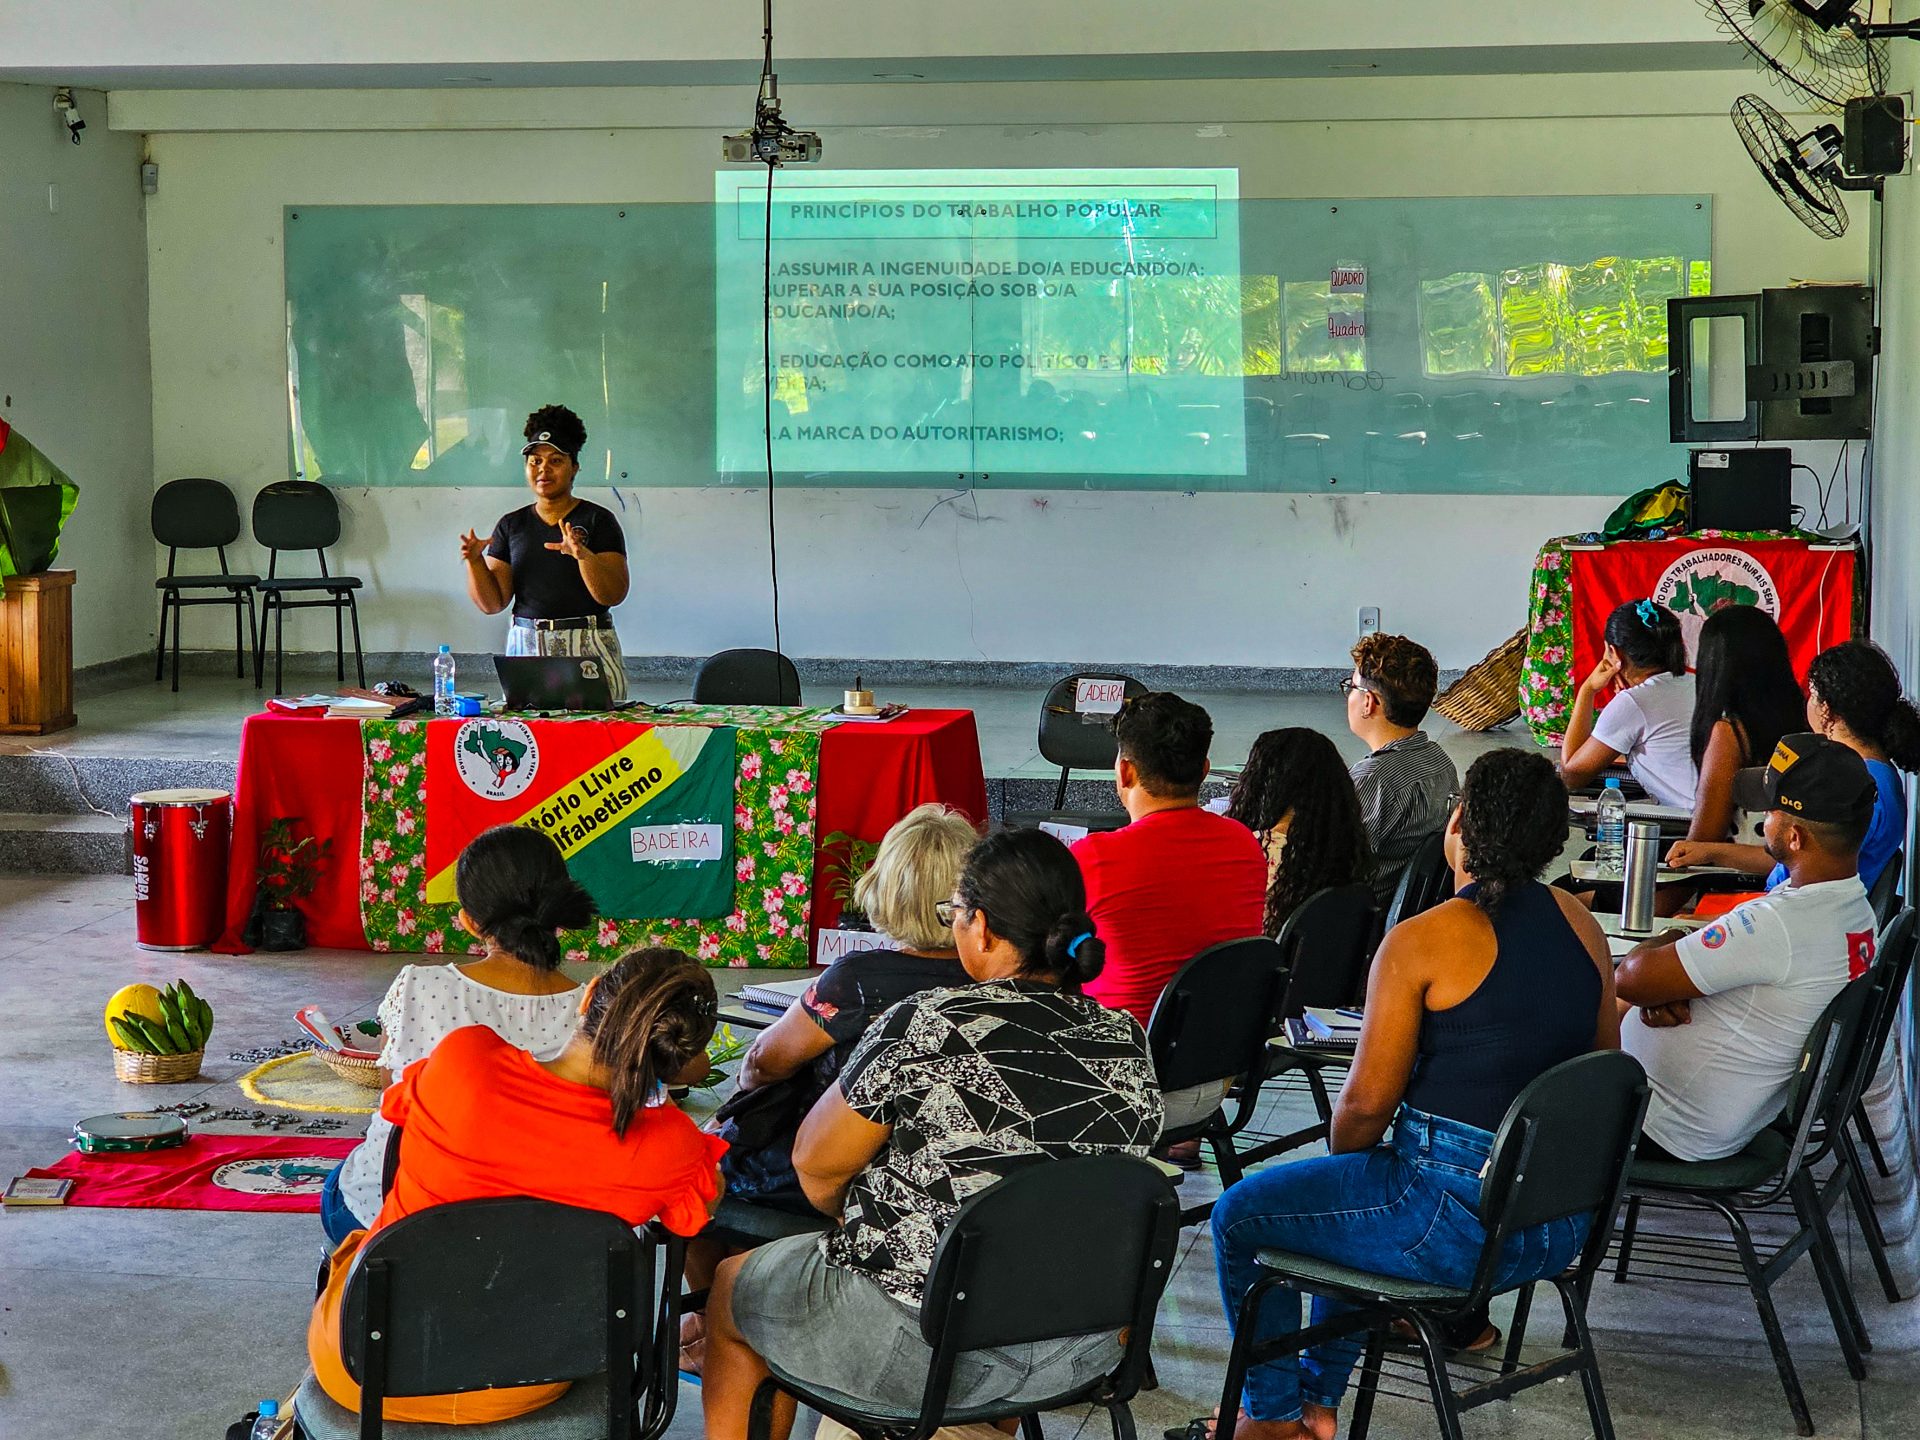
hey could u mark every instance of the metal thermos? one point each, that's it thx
(1641, 873)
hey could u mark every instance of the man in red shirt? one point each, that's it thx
(1177, 878)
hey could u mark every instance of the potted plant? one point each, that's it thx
(290, 866)
(844, 859)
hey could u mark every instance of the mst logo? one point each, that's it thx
(497, 759)
(1696, 585)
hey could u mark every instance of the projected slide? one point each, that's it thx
(982, 321)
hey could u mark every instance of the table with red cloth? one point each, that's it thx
(362, 785)
(1806, 582)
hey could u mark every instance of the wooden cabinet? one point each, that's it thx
(36, 653)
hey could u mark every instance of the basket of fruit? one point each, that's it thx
(159, 1036)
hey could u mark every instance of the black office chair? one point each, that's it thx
(1894, 958)
(1882, 1028)
(1008, 1272)
(746, 677)
(500, 1292)
(1210, 1026)
(1327, 943)
(200, 514)
(1563, 1149)
(1776, 1165)
(302, 515)
(1074, 740)
(1885, 894)
(1424, 883)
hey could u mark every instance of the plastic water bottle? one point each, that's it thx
(268, 1425)
(1610, 832)
(443, 681)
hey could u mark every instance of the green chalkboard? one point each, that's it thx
(1090, 329)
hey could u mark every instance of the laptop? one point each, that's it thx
(553, 682)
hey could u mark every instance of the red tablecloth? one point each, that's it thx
(869, 776)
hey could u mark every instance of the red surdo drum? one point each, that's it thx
(179, 867)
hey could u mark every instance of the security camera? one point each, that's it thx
(68, 112)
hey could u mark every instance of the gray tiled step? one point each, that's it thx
(56, 784)
(85, 844)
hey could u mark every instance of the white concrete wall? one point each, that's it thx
(73, 349)
(1253, 580)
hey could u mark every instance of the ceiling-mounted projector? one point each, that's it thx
(771, 141)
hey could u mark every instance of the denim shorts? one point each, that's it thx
(842, 1334)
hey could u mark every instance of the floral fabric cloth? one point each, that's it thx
(777, 762)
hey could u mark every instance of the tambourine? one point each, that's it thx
(126, 1131)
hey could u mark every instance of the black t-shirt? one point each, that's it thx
(547, 584)
(855, 990)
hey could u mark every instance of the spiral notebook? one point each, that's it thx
(777, 995)
(1319, 1029)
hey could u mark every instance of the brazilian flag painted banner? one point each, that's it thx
(643, 813)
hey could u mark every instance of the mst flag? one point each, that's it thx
(1807, 591)
(643, 813)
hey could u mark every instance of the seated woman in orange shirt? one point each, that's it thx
(586, 1128)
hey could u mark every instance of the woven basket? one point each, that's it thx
(365, 1073)
(1489, 693)
(136, 1067)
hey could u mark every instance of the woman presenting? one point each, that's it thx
(561, 562)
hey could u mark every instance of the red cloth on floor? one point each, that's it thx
(313, 771)
(183, 1178)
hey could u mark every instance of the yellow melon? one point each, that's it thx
(142, 1000)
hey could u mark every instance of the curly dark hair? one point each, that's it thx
(1857, 682)
(1401, 672)
(1513, 821)
(566, 429)
(1167, 740)
(1298, 772)
(1742, 674)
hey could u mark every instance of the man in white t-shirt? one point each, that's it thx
(1721, 1014)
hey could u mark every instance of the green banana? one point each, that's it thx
(131, 1038)
(158, 1041)
(171, 1015)
(205, 1012)
(183, 1043)
(186, 991)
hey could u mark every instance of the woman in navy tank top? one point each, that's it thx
(1466, 1005)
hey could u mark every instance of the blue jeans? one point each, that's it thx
(1409, 1208)
(336, 1218)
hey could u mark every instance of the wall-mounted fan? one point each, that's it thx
(1823, 54)
(1803, 169)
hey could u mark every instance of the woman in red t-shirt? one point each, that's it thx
(588, 1128)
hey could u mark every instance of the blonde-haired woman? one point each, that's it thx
(796, 1060)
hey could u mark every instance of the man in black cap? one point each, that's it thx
(1721, 1013)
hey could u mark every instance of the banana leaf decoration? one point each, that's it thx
(36, 497)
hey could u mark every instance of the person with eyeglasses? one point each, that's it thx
(1404, 778)
(948, 1092)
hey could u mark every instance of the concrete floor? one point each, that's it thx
(170, 1323)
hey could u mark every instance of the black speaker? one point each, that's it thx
(1816, 340)
(1873, 137)
(1740, 488)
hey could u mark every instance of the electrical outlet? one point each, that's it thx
(1369, 620)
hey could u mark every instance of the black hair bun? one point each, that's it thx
(1074, 950)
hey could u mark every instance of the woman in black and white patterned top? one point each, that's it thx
(948, 1092)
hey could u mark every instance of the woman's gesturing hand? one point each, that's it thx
(572, 543)
(472, 547)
